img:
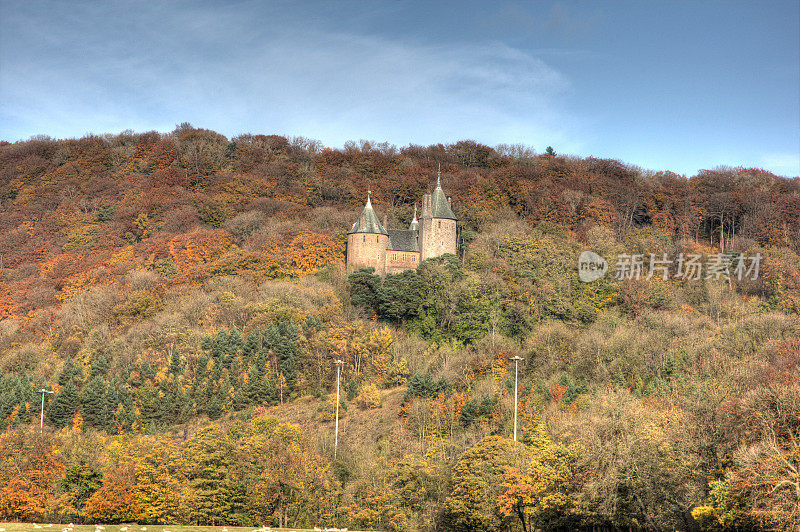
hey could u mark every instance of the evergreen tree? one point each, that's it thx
(151, 405)
(253, 343)
(100, 366)
(175, 404)
(240, 400)
(112, 398)
(80, 482)
(63, 407)
(281, 339)
(400, 296)
(146, 370)
(235, 342)
(364, 287)
(94, 405)
(175, 363)
(219, 345)
(254, 389)
(214, 408)
(69, 373)
(209, 455)
(9, 395)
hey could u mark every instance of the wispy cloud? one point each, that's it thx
(232, 71)
(415, 72)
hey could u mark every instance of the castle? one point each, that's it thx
(369, 245)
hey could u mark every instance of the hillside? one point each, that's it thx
(184, 295)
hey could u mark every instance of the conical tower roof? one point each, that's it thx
(368, 221)
(414, 225)
(440, 207)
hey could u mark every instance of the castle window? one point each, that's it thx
(404, 256)
(440, 223)
(365, 238)
(413, 258)
(394, 256)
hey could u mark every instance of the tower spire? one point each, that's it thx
(439, 177)
(369, 198)
(414, 225)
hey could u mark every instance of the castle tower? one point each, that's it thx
(437, 229)
(414, 225)
(367, 241)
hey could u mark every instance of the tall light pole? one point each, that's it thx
(516, 360)
(41, 416)
(338, 364)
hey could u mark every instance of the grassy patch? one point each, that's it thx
(55, 527)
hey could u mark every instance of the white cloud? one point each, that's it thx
(235, 73)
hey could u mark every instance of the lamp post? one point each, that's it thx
(41, 416)
(516, 360)
(338, 364)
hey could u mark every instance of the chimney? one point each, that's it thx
(426, 206)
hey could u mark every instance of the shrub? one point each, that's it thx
(370, 397)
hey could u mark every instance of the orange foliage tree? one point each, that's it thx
(115, 501)
(29, 472)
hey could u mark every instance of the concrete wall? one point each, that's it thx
(367, 250)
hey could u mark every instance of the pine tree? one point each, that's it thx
(254, 390)
(69, 373)
(209, 454)
(100, 366)
(214, 408)
(94, 404)
(146, 370)
(64, 406)
(240, 400)
(252, 344)
(364, 287)
(175, 363)
(281, 339)
(235, 342)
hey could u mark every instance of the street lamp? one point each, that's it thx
(338, 364)
(516, 360)
(41, 416)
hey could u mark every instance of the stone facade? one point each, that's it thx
(367, 250)
(370, 245)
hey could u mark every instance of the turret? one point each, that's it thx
(367, 241)
(438, 224)
(414, 225)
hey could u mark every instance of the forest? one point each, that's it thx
(183, 295)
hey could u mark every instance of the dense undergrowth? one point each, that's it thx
(171, 288)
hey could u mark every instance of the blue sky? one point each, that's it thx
(663, 85)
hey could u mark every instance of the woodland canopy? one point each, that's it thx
(184, 295)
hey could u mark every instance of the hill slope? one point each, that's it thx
(184, 295)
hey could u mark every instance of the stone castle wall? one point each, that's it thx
(367, 250)
(399, 261)
(437, 237)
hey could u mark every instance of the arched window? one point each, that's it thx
(365, 238)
